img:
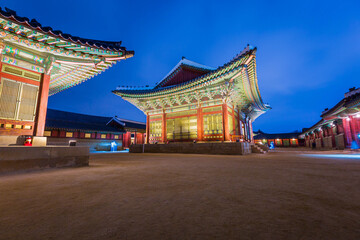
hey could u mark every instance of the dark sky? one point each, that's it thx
(308, 51)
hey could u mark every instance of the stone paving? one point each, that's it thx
(279, 195)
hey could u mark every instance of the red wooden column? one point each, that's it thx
(354, 128)
(163, 125)
(347, 132)
(200, 124)
(225, 122)
(234, 123)
(42, 105)
(333, 142)
(238, 122)
(147, 129)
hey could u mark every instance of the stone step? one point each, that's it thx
(263, 147)
(256, 149)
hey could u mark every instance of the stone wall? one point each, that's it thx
(340, 141)
(93, 144)
(227, 148)
(328, 142)
(318, 143)
(17, 158)
(19, 140)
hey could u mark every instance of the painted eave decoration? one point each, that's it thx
(235, 82)
(68, 59)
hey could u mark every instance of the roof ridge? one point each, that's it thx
(35, 25)
(132, 121)
(157, 89)
(83, 114)
(185, 62)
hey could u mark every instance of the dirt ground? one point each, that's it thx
(282, 195)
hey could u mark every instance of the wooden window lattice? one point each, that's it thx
(17, 100)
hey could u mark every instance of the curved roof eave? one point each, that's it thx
(196, 81)
(36, 26)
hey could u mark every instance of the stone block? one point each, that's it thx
(39, 141)
(227, 148)
(16, 158)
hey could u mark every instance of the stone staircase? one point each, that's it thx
(255, 148)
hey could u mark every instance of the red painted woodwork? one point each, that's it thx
(347, 131)
(184, 74)
(147, 128)
(42, 106)
(62, 134)
(188, 115)
(54, 133)
(17, 78)
(200, 124)
(15, 131)
(234, 123)
(163, 125)
(126, 139)
(139, 138)
(225, 122)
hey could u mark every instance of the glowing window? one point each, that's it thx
(8, 125)
(27, 127)
(87, 135)
(47, 133)
(17, 100)
(18, 126)
(155, 128)
(69, 134)
(213, 124)
(116, 137)
(103, 136)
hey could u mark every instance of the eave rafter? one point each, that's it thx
(31, 43)
(234, 83)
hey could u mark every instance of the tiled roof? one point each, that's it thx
(35, 25)
(226, 68)
(345, 103)
(56, 119)
(132, 124)
(184, 62)
(261, 135)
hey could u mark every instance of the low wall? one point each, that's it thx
(19, 140)
(340, 141)
(93, 144)
(327, 142)
(318, 143)
(227, 148)
(17, 158)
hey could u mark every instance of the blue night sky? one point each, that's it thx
(308, 51)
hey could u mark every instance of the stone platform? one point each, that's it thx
(224, 148)
(19, 158)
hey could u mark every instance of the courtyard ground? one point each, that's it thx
(279, 195)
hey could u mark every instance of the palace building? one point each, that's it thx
(279, 139)
(196, 102)
(36, 62)
(339, 126)
(97, 132)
